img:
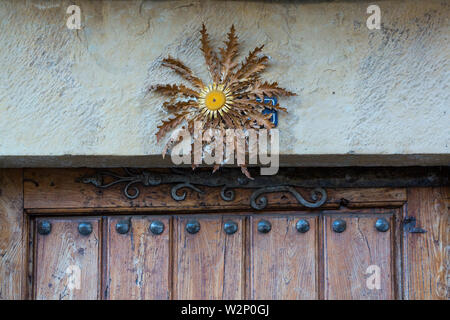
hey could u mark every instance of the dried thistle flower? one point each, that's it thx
(229, 102)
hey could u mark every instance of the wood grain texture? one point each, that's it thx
(138, 261)
(209, 264)
(283, 261)
(59, 255)
(426, 255)
(58, 189)
(12, 235)
(347, 256)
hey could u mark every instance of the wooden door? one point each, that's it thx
(279, 261)
(125, 259)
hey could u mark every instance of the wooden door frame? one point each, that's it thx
(47, 192)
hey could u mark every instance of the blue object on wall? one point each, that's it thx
(273, 101)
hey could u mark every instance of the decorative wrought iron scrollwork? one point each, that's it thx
(176, 196)
(145, 178)
(227, 194)
(259, 202)
(228, 179)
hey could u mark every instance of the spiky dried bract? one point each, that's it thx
(259, 89)
(175, 90)
(169, 124)
(229, 102)
(211, 59)
(183, 71)
(229, 54)
(177, 106)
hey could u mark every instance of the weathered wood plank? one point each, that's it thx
(67, 263)
(12, 235)
(138, 261)
(426, 255)
(209, 264)
(57, 188)
(283, 261)
(348, 255)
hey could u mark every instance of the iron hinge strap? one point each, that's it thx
(409, 224)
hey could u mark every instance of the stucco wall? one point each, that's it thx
(360, 92)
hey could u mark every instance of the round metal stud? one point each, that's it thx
(264, 226)
(123, 226)
(192, 226)
(157, 227)
(382, 225)
(242, 180)
(230, 227)
(85, 228)
(339, 225)
(302, 226)
(44, 227)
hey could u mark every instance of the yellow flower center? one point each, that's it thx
(215, 100)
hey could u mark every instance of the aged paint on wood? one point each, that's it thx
(283, 261)
(12, 235)
(348, 255)
(67, 263)
(209, 264)
(426, 254)
(138, 261)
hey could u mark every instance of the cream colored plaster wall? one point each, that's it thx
(360, 92)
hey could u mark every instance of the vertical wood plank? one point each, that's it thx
(283, 261)
(426, 254)
(138, 261)
(62, 256)
(350, 253)
(209, 263)
(12, 235)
